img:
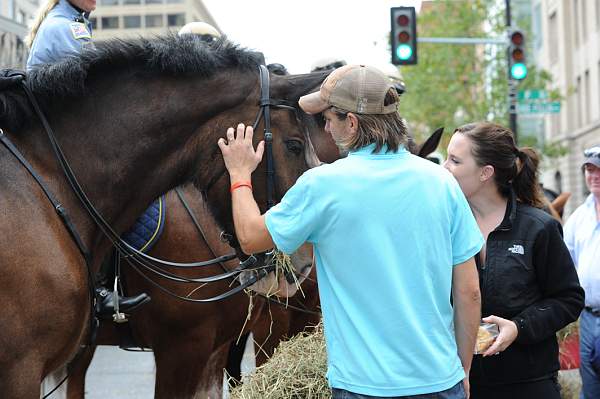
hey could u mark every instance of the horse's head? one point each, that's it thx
(272, 108)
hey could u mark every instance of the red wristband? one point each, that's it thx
(240, 184)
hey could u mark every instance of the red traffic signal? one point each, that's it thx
(403, 20)
(516, 38)
(516, 55)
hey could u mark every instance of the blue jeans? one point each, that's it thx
(456, 392)
(589, 330)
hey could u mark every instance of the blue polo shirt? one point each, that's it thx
(387, 229)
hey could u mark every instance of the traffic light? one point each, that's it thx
(516, 55)
(404, 35)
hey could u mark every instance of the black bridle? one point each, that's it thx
(137, 259)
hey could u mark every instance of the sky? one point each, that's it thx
(299, 33)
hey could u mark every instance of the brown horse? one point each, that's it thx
(191, 343)
(134, 119)
(210, 328)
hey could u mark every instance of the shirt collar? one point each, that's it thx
(70, 9)
(367, 151)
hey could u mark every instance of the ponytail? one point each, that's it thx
(514, 169)
(41, 15)
(525, 183)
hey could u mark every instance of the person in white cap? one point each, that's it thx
(582, 236)
(327, 64)
(206, 31)
(393, 239)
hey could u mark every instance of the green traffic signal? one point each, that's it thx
(404, 52)
(518, 71)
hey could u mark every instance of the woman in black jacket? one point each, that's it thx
(528, 282)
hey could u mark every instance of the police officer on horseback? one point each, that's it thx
(62, 29)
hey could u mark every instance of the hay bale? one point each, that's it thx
(295, 371)
(570, 383)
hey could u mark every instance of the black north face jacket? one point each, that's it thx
(529, 278)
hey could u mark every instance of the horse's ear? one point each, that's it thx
(559, 203)
(431, 143)
(299, 85)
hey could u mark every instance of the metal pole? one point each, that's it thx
(463, 40)
(512, 84)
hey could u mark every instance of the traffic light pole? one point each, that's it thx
(512, 84)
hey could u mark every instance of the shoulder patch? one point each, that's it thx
(80, 31)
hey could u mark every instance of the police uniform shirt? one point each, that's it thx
(64, 32)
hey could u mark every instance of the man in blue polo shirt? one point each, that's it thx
(393, 239)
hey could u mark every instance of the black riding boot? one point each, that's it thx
(126, 304)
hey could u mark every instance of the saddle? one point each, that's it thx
(148, 228)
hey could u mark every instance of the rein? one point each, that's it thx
(198, 227)
(143, 260)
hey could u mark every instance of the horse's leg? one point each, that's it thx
(212, 377)
(52, 383)
(234, 358)
(76, 381)
(21, 380)
(180, 361)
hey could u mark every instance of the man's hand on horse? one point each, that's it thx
(238, 152)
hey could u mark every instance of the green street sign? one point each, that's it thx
(532, 95)
(533, 107)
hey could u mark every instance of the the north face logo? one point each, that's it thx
(517, 249)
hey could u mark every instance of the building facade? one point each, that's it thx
(134, 18)
(14, 17)
(111, 19)
(567, 44)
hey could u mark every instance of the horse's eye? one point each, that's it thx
(294, 146)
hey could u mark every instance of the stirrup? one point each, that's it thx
(118, 317)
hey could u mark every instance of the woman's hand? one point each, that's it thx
(508, 333)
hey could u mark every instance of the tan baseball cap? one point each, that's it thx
(354, 88)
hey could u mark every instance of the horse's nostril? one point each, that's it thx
(306, 268)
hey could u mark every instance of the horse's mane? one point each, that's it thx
(169, 55)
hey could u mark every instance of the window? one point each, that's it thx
(154, 21)
(576, 20)
(558, 181)
(597, 14)
(21, 17)
(110, 22)
(553, 33)
(537, 26)
(94, 22)
(11, 9)
(132, 21)
(176, 19)
(109, 3)
(555, 123)
(132, 2)
(155, 1)
(583, 21)
(579, 103)
(586, 97)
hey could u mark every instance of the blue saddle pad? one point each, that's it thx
(148, 227)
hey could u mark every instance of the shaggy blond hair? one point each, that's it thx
(42, 13)
(384, 129)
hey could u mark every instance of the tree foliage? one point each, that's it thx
(454, 84)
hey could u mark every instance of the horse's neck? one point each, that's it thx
(134, 146)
